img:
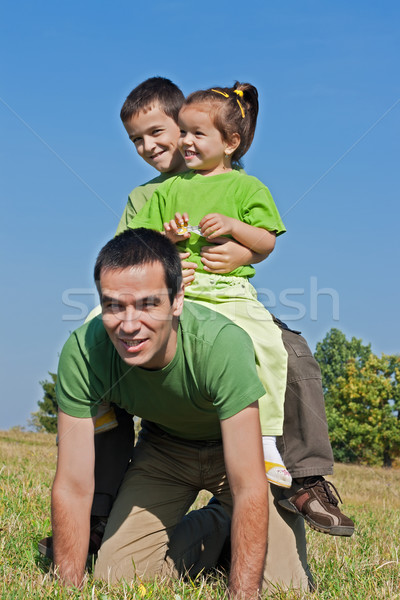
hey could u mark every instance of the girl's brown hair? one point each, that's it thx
(233, 110)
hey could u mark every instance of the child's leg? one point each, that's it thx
(274, 466)
(305, 442)
(236, 299)
(113, 451)
(105, 418)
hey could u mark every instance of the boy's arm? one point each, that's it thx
(228, 255)
(257, 239)
(244, 462)
(72, 497)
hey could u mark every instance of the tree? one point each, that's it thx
(362, 396)
(333, 353)
(363, 411)
(45, 419)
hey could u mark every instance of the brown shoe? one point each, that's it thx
(316, 502)
(45, 547)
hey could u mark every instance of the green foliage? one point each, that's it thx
(362, 394)
(363, 411)
(333, 353)
(45, 419)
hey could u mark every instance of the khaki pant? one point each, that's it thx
(148, 534)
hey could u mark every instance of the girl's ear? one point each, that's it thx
(233, 144)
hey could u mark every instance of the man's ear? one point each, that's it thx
(178, 302)
(232, 145)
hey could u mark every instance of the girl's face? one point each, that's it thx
(201, 143)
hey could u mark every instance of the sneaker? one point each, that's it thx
(45, 547)
(97, 527)
(278, 474)
(316, 502)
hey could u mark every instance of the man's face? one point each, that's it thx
(138, 316)
(156, 136)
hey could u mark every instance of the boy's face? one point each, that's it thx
(156, 137)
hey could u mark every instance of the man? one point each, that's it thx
(192, 379)
(149, 115)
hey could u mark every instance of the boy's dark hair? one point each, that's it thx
(156, 90)
(233, 110)
(138, 247)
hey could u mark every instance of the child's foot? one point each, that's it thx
(277, 474)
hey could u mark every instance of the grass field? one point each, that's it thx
(365, 566)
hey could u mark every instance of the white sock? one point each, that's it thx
(271, 453)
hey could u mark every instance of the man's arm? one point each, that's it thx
(72, 497)
(244, 462)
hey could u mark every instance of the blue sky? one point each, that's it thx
(327, 145)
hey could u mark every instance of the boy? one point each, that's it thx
(149, 116)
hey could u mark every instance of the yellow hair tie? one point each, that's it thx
(238, 92)
(241, 108)
(220, 92)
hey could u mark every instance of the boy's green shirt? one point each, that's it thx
(138, 198)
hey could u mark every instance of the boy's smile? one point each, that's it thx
(156, 136)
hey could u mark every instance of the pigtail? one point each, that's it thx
(247, 95)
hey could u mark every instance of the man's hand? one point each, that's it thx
(244, 462)
(214, 224)
(188, 268)
(72, 497)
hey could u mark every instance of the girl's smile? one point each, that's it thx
(201, 143)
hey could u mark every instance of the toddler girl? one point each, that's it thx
(217, 128)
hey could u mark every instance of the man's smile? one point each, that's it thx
(135, 344)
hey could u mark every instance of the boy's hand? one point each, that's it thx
(188, 269)
(214, 224)
(171, 228)
(225, 257)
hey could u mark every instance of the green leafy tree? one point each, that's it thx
(363, 410)
(334, 352)
(45, 419)
(362, 400)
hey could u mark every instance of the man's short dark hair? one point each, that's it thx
(154, 91)
(138, 247)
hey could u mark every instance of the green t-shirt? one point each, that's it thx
(233, 194)
(138, 198)
(211, 377)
